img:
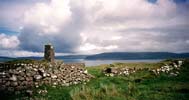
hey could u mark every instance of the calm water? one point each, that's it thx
(99, 62)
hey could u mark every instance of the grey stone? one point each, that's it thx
(20, 78)
(45, 74)
(37, 77)
(53, 76)
(14, 84)
(41, 70)
(13, 78)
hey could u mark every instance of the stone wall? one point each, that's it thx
(19, 76)
(171, 69)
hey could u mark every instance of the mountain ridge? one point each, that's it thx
(114, 56)
(136, 55)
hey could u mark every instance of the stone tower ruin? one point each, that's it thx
(49, 53)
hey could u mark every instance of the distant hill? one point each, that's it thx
(34, 58)
(58, 57)
(3, 59)
(136, 55)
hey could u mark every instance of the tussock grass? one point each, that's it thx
(90, 93)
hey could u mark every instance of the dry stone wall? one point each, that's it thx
(171, 69)
(21, 76)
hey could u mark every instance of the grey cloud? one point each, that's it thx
(172, 39)
(165, 40)
(173, 33)
(67, 39)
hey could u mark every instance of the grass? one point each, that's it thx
(138, 65)
(150, 87)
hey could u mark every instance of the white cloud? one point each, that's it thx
(49, 17)
(8, 42)
(88, 47)
(116, 37)
(25, 54)
(92, 48)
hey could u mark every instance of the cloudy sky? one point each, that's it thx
(93, 26)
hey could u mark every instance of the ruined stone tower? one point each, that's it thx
(49, 53)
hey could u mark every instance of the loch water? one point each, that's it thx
(100, 62)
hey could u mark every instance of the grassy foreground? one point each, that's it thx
(151, 87)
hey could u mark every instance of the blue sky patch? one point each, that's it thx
(7, 31)
(152, 1)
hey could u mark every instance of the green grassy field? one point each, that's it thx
(151, 87)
